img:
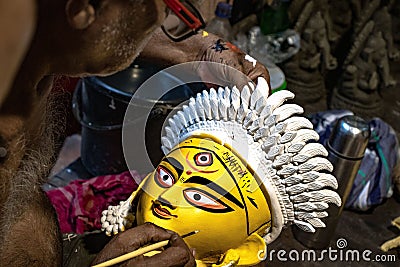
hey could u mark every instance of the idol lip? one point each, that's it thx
(161, 212)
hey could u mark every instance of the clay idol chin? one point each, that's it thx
(238, 167)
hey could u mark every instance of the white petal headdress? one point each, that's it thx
(278, 145)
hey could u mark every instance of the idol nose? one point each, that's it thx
(163, 202)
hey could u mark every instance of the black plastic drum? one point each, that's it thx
(100, 103)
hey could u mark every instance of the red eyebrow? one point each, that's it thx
(196, 169)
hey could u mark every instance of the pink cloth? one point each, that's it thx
(80, 203)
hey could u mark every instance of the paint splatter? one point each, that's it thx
(233, 47)
(251, 59)
(219, 46)
(112, 104)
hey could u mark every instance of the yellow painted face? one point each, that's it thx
(202, 185)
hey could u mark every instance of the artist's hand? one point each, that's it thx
(175, 254)
(237, 69)
(207, 48)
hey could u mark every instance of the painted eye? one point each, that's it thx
(203, 159)
(164, 178)
(205, 201)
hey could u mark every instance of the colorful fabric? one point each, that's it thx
(373, 182)
(80, 203)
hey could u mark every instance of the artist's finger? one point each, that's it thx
(176, 254)
(144, 234)
(131, 240)
(221, 75)
(258, 70)
(178, 242)
(254, 69)
(237, 68)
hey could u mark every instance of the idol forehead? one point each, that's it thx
(195, 149)
(232, 163)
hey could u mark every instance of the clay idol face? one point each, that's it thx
(202, 185)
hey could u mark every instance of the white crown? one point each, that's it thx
(279, 146)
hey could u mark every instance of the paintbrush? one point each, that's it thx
(139, 252)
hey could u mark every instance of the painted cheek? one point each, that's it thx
(152, 190)
(143, 212)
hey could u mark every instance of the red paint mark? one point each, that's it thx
(188, 172)
(233, 47)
